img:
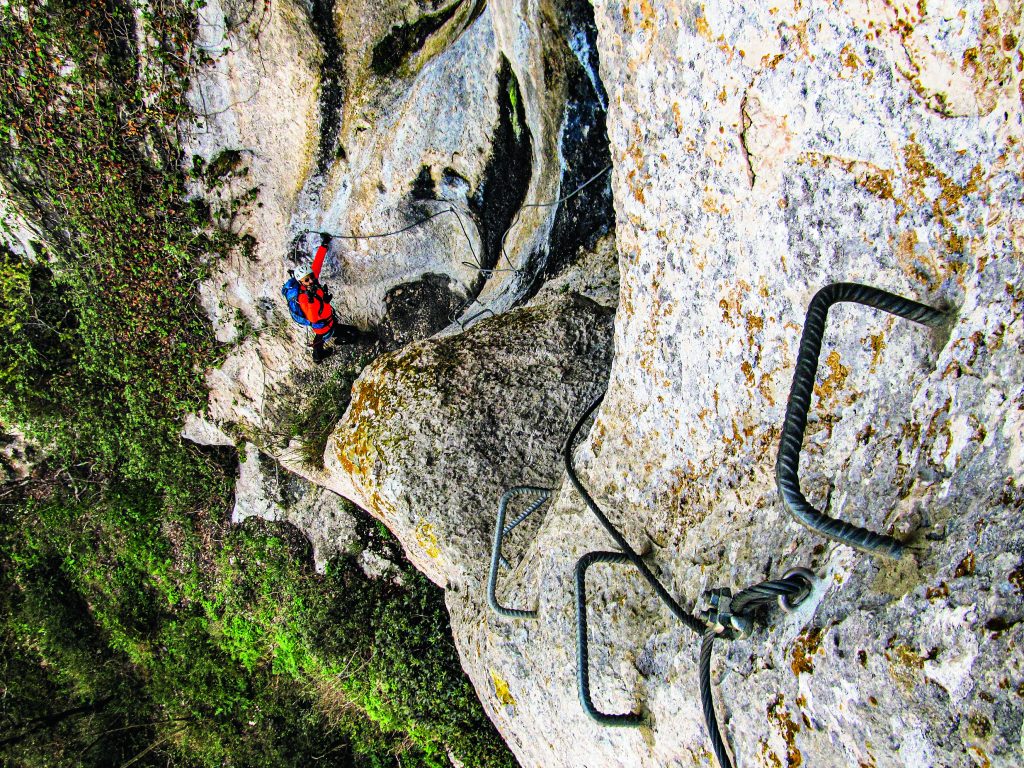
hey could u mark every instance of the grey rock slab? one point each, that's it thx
(266, 490)
(437, 431)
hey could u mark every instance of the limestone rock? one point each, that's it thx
(17, 232)
(267, 491)
(449, 125)
(18, 456)
(755, 161)
(760, 151)
(436, 431)
(202, 431)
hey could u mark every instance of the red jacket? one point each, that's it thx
(313, 303)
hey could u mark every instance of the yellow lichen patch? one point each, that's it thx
(877, 182)
(732, 305)
(788, 728)
(919, 170)
(965, 566)
(748, 372)
(849, 59)
(765, 387)
(677, 117)
(979, 756)
(991, 63)
(868, 176)
(427, 539)
(702, 28)
(835, 380)
(768, 757)
(804, 648)
(906, 248)
(755, 324)
(640, 17)
(711, 205)
(501, 691)
(734, 443)
(906, 667)
(922, 267)
(876, 341)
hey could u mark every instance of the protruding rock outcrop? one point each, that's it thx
(438, 429)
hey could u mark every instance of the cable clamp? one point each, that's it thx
(716, 610)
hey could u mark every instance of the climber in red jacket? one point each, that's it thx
(315, 303)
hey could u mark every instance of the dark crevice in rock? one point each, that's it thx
(507, 176)
(418, 310)
(395, 48)
(745, 124)
(451, 177)
(475, 13)
(423, 187)
(332, 84)
(582, 220)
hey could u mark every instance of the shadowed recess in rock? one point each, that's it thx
(423, 187)
(418, 310)
(507, 177)
(332, 90)
(581, 220)
(395, 48)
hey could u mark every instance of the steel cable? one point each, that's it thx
(374, 235)
(788, 462)
(559, 201)
(673, 605)
(707, 703)
(790, 590)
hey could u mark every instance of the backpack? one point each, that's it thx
(290, 290)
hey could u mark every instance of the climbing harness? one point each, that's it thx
(788, 462)
(722, 614)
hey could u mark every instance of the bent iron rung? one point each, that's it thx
(500, 531)
(787, 465)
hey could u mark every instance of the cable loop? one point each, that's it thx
(727, 614)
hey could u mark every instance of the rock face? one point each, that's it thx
(442, 131)
(437, 430)
(759, 152)
(267, 491)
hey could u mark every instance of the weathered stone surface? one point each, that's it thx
(17, 232)
(267, 491)
(202, 431)
(438, 430)
(594, 274)
(756, 160)
(17, 456)
(478, 114)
